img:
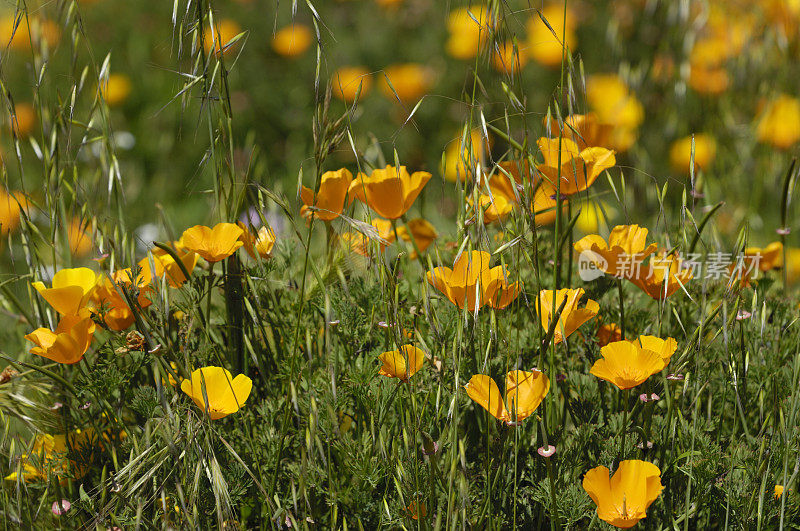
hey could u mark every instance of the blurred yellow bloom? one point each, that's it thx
(347, 80)
(622, 499)
(329, 200)
(70, 291)
(595, 216)
(68, 343)
(389, 4)
(663, 277)
(712, 80)
(778, 492)
(578, 170)
(507, 60)
(525, 390)
(116, 89)
(165, 265)
(48, 456)
(409, 82)
(705, 149)
(389, 191)
(546, 46)
(472, 283)
(17, 35)
(792, 264)
(119, 315)
(262, 243)
(220, 36)
(779, 123)
(627, 364)
(11, 205)
(625, 243)
(78, 237)
(292, 40)
(586, 130)
(464, 156)
(402, 363)
(225, 395)
(421, 230)
(571, 317)
(23, 121)
(614, 103)
(468, 29)
(769, 257)
(213, 244)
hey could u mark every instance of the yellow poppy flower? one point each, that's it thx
(70, 291)
(663, 277)
(623, 498)
(292, 40)
(421, 230)
(779, 123)
(409, 82)
(778, 491)
(545, 207)
(220, 36)
(594, 216)
(165, 265)
(24, 120)
(705, 150)
(328, 202)
(626, 243)
(213, 244)
(389, 191)
(545, 45)
(68, 343)
(524, 392)
(11, 206)
(571, 317)
(225, 394)
(262, 243)
(770, 257)
(468, 29)
(347, 80)
(627, 364)
(472, 283)
(402, 363)
(116, 89)
(579, 169)
(357, 241)
(665, 348)
(708, 80)
(119, 315)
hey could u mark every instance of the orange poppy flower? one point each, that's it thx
(70, 291)
(220, 36)
(328, 202)
(119, 315)
(389, 191)
(544, 44)
(663, 277)
(578, 170)
(68, 343)
(571, 317)
(402, 363)
(779, 123)
(472, 283)
(626, 244)
(524, 392)
(165, 265)
(627, 364)
(421, 230)
(262, 243)
(409, 82)
(586, 130)
(215, 392)
(11, 206)
(347, 81)
(705, 150)
(213, 244)
(622, 499)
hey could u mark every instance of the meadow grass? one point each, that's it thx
(136, 425)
